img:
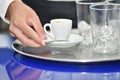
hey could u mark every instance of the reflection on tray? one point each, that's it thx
(50, 52)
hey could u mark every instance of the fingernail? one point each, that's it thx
(43, 43)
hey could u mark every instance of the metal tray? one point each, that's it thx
(78, 53)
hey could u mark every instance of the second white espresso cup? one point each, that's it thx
(59, 29)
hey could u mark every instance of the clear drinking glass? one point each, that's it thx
(83, 19)
(105, 22)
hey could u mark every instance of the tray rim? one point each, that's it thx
(58, 59)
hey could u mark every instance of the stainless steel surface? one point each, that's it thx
(79, 53)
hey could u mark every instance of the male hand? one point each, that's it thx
(25, 24)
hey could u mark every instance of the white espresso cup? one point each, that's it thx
(59, 29)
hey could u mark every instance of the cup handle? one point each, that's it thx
(49, 33)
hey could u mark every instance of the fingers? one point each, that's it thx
(38, 27)
(29, 32)
(23, 38)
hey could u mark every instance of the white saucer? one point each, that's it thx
(73, 40)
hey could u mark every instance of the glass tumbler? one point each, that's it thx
(105, 23)
(83, 19)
